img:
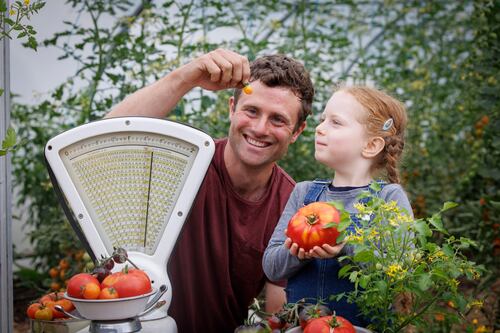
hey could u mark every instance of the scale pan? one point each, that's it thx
(111, 309)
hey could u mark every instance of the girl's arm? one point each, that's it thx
(278, 263)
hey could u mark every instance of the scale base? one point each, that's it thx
(164, 325)
(130, 325)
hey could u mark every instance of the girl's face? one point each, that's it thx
(340, 136)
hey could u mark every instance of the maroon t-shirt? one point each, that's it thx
(216, 266)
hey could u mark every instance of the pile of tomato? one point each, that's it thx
(312, 318)
(125, 283)
(44, 308)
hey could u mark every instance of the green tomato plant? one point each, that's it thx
(402, 275)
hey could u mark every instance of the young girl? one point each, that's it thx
(361, 133)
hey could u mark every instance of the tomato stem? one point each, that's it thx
(312, 219)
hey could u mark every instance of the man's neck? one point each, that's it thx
(249, 182)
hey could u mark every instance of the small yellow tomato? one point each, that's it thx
(247, 89)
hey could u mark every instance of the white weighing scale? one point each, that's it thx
(130, 182)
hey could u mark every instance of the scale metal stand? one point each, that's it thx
(130, 182)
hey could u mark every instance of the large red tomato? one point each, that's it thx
(76, 285)
(128, 283)
(329, 324)
(307, 226)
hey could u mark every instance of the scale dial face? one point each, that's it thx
(129, 183)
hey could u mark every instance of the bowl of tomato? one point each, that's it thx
(111, 309)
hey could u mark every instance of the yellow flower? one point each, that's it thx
(395, 270)
(481, 329)
(390, 206)
(454, 283)
(405, 218)
(362, 209)
(373, 234)
(394, 222)
(12, 12)
(474, 321)
(478, 303)
(354, 238)
(26, 2)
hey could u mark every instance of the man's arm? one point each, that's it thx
(275, 297)
(216, 70)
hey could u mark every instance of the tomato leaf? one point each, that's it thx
(375, 186)
(424, 282)
(436, 221)
(422, 228)
(364, 280)
(337, 204)
(353, 276)
(381, 286)
(344, 270)
(343, 225)
(364, 256)
(10, 139)
(448, 205)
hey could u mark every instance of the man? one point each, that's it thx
(216, 269)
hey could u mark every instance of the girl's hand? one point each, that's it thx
(325, 251)
(295, 250)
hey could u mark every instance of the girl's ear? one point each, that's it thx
(373, 147)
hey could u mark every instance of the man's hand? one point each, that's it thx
(219, 69)
(216, 70)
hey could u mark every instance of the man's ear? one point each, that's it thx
(373, 147)
(231, 106)
(299, 130)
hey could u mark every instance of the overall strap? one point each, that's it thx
(317, 187)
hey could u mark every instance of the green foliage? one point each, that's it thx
(14, 17)
(401, 274)
(21, 11)
(9, 142)
(439, 57)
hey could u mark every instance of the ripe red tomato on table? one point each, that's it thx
(52, 299)
(329, 324)
(128, 283)
(308, 228)
(39, 311)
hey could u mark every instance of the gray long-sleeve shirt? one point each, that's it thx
(278, 263)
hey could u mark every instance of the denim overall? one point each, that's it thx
(319, 278)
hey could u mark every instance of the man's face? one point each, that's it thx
(262, 124)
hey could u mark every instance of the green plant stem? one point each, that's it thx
(416, 315)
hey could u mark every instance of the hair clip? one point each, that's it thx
(388, 124)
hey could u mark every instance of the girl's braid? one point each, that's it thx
(394, 145)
